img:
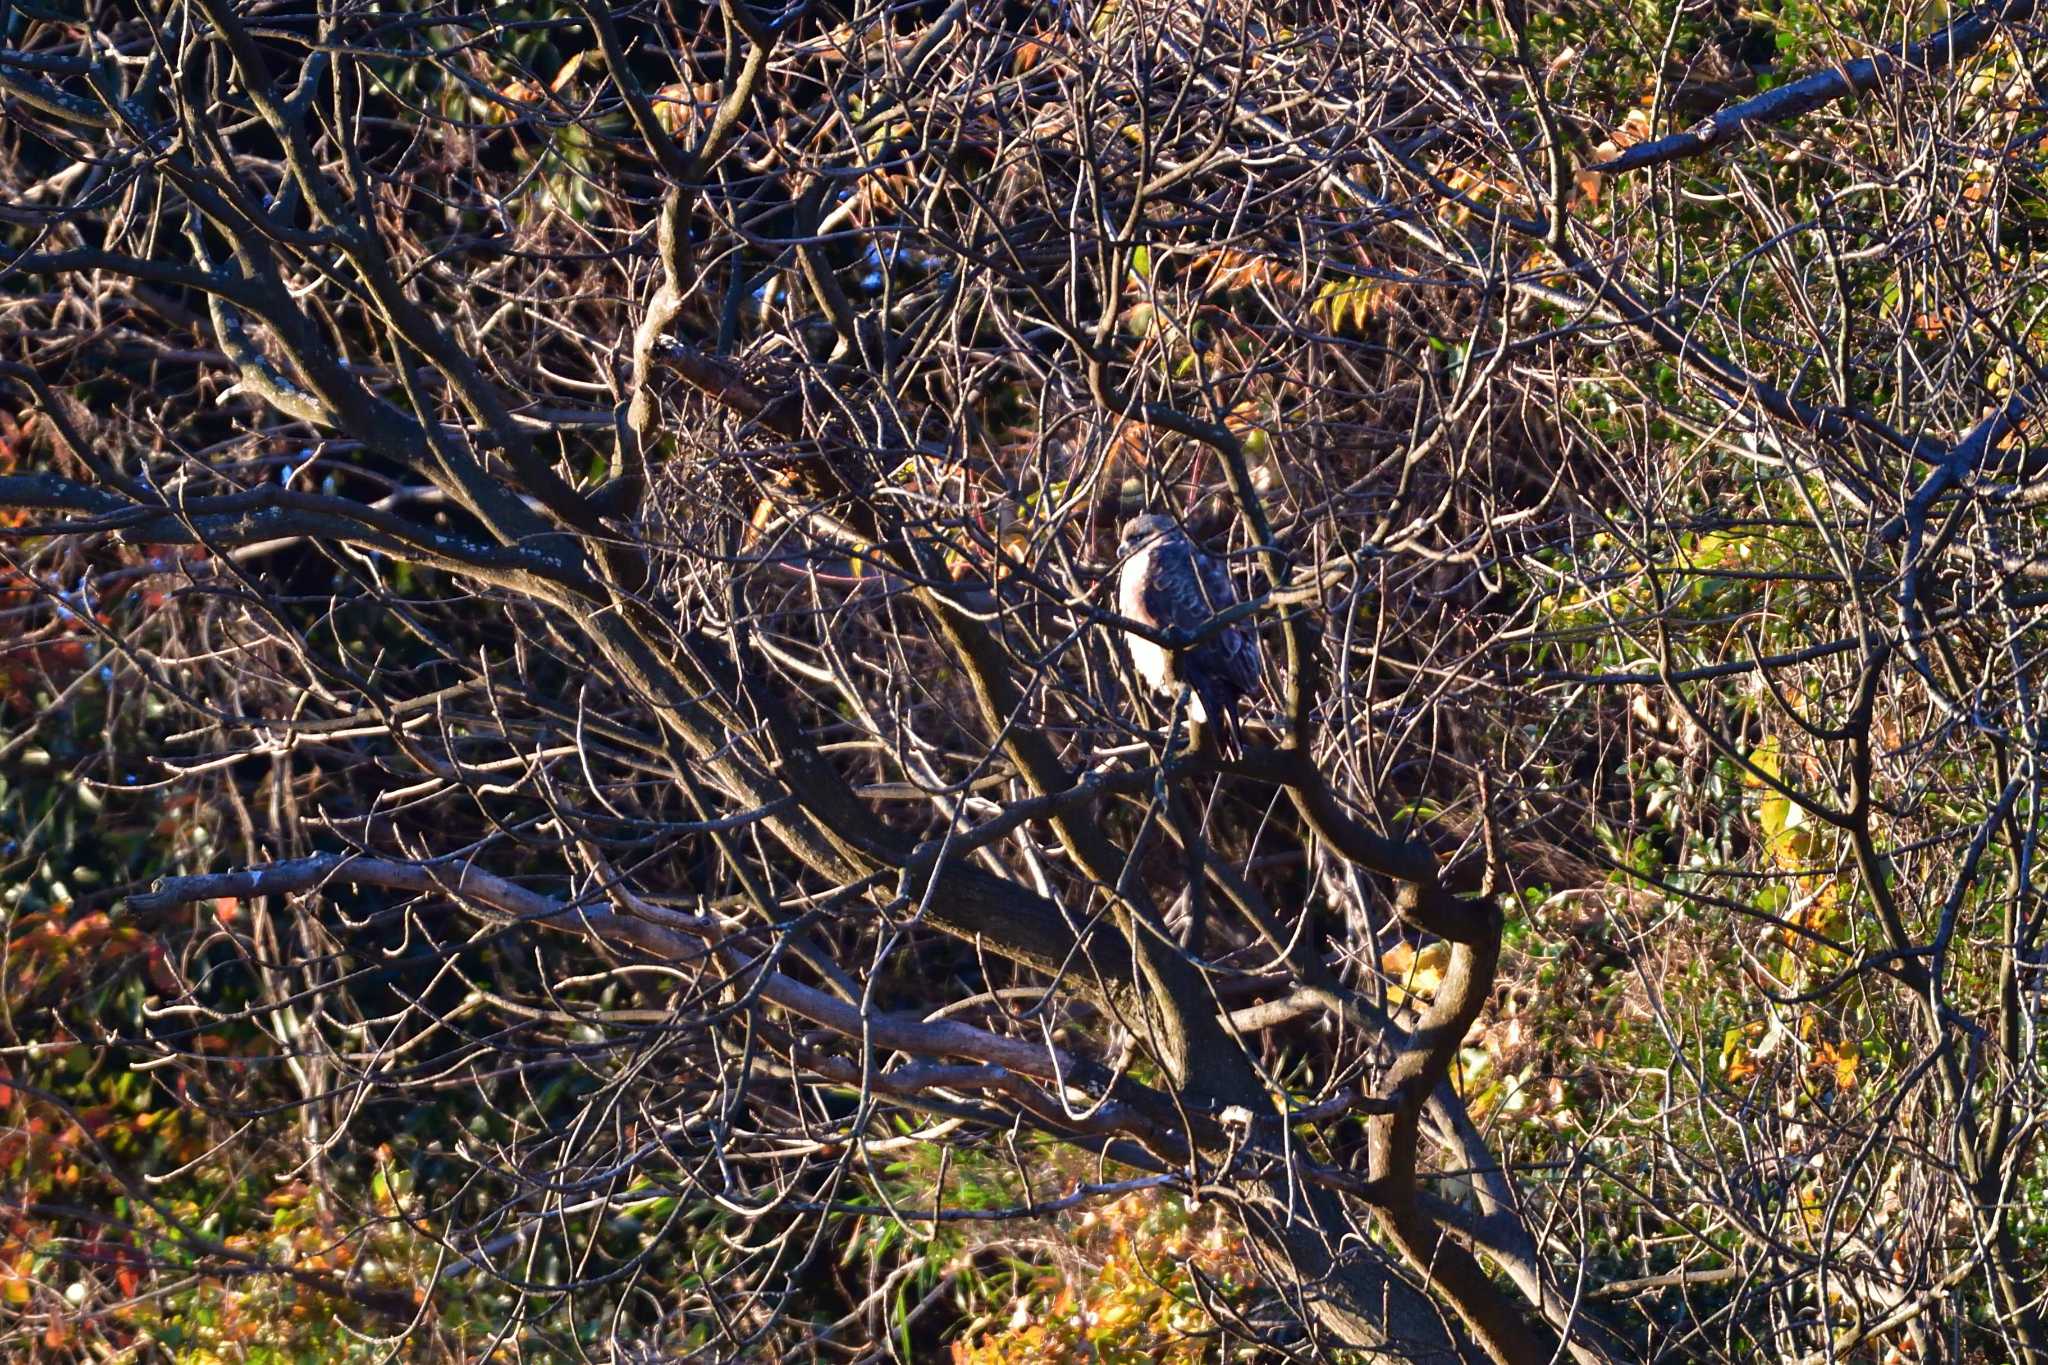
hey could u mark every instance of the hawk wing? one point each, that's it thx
(1177, 593)
(1235, 651)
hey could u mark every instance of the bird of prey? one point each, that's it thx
(1170, 584)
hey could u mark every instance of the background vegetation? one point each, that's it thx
(570, 787)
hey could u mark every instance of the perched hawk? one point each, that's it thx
(1169, 584)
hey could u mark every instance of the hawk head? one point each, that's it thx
(1141, 530)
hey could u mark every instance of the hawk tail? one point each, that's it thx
(1220, 704)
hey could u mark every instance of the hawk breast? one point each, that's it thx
(1135, 601)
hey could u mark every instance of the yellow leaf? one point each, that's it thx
(568, 71)
(1786, 827)
(14, 1281)
(1764, 758)
(1738, 1057)
(1841, 1058)
(1417, 974)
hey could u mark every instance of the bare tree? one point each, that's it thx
(620, 504)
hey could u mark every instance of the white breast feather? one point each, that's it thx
(1155, 666)
(1154, 663)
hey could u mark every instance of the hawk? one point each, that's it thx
(1170, 584)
